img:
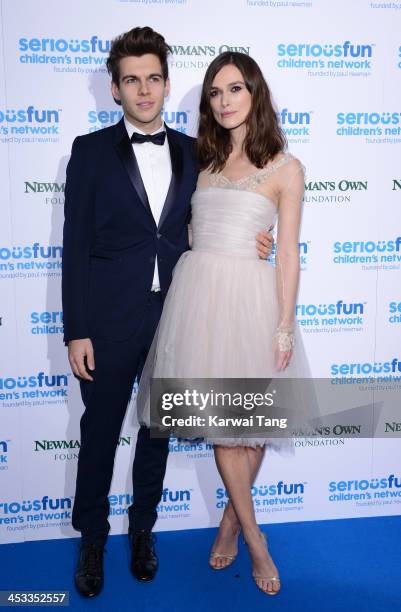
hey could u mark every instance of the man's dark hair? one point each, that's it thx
(137, 42)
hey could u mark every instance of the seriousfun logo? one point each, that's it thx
(195, 449)
(271, 497)
(369, 124)
(30, 512)
(39, 385)
(394, 310)
(35, 257)
(29, 121)
(46, 322)
(65, 55)
(178, 120)
(303, 248)
(173, 504)
(390, 369)
(367, 251)
(4, 454)
(334, 317)
(333, 59)
(296, 125)
(366, 489)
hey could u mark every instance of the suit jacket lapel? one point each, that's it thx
(124, 149)
(177, 166)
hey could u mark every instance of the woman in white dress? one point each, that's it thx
(229, 314)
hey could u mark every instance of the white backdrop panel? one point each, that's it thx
(334, 70)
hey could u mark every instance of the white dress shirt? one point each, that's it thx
(155, 167)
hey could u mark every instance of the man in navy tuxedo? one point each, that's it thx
(127, 208)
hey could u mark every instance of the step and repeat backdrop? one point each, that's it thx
(335, 70)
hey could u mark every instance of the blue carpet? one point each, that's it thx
(352, 564)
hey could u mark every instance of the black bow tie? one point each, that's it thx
(157, 139)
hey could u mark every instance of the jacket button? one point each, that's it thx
(158, 235)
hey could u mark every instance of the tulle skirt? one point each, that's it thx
(219, 320)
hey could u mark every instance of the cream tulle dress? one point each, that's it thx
(222, 310)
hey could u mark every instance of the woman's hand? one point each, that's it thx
(283, 345)
(281, 358)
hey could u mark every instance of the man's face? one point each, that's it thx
(141, 90)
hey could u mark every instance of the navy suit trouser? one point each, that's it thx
(105, 399)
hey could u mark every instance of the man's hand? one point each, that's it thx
(264, 243)
(77, 351)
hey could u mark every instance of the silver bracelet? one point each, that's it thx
(285, 339)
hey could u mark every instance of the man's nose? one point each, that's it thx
(143, 88)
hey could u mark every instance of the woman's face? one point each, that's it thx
(229, 98)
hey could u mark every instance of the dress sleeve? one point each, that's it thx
(291, 189)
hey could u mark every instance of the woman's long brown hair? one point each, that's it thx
(264, 137)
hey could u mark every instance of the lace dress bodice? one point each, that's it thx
(252, 182)
(228, 214)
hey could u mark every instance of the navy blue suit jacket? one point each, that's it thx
(110, 237)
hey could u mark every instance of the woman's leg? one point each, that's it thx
(234, 465)
(226, 542)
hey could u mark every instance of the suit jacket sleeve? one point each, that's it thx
(77, 237)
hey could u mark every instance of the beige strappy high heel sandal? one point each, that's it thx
(266, 579)
(216, 555)
(259, 580)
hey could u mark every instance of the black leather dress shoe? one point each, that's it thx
(89, 574)
(144, 562)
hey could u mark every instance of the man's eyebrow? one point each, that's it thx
(134, 76)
